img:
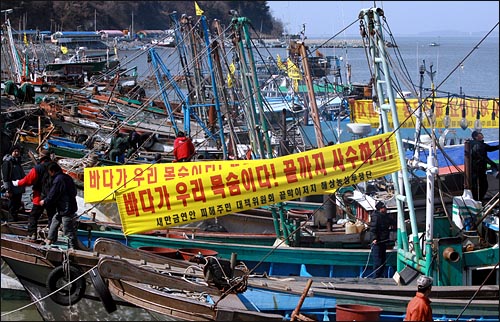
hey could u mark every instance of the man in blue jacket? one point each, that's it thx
(62, 195)
(12, 169)
(380, 227)
(479, 163)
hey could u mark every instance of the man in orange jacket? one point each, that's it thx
(419, 308)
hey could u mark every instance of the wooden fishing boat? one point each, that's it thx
(183, 297)
(41, 271)
(448, 302)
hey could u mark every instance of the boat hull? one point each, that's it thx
(32, 266)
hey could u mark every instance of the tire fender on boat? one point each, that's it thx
(102, 291)
(57, 278)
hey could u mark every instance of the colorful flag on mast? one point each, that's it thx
(280, 63)
(230, 75)
(199, 12)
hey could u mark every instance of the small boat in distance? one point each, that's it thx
(434, 44)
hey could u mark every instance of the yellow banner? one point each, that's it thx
(157, 196)
(362, 111)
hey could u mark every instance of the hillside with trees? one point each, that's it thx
(80, 15)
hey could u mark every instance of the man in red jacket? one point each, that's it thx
(39, 178)
(419, 308)
(183, 148)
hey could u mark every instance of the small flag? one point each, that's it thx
(64, 49)
(199, 12)
(25, 39)
(293, 70)
(232, 68)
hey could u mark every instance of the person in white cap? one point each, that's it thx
(419, 308)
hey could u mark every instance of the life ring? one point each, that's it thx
(57, 278)
(44, 88)
(102, 291)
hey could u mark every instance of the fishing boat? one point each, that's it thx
(40, 269)
(186, 297)
(369, 299)
(123, 270)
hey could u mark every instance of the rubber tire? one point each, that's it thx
(149, 144)
(102, 291)
(77, 289)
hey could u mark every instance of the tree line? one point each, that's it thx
(124, 15)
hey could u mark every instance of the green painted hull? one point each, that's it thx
(293, 261)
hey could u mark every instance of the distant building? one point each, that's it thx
(110, 34)
(31, 35)
(62, 37)
(73, 40)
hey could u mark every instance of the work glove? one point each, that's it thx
(15, 183)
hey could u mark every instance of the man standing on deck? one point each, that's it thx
(380, 226)
(419, 308)
(39, 178)
(479, 162)
(117, 148)
(12, 169)
(62, 195)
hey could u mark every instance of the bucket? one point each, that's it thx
(189, 253)
(357, 312)
(162, 251)
(359, 227)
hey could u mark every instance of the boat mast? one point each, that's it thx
(312, 96)
(15, 56)
(371, 27)
(214, 85)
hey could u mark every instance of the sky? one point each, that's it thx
(326, 18)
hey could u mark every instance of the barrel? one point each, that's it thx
(189, 253)
(357, 312)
